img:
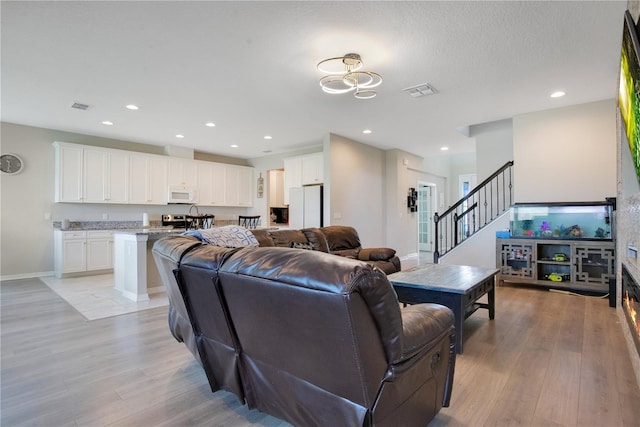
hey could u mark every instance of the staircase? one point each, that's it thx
(490, 199)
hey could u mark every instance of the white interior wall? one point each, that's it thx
(357, 193)
(494, 146)
(566, 154)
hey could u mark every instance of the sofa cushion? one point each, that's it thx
(316, 237)
(347, 253)
(376, 254)
(284, 238)
(340, 237)
(263, 237)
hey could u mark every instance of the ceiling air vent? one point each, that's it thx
(80, 106)
(420, 90)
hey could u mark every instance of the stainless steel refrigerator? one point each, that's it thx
(305, 207)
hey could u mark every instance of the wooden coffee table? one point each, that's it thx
(455, 286)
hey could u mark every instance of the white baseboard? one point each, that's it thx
(26, 275)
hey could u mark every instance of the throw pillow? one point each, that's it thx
(306, 246)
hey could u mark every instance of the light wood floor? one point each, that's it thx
(547, 359)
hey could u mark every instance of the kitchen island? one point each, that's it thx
(134, 270)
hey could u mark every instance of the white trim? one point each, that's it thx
(27, 275)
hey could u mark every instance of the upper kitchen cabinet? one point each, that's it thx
(68, 172)
(212, 178)
(239, 186)
(312, 169)
(106, 176)
(182, 172)
(148, 179)
(86, 174)
(302, 170)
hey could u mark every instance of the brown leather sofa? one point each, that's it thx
(335, 239)
(314, 339)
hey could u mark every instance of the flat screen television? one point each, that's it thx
(629, 91)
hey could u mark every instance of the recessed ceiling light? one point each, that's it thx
(366, 131)
(179, 136)
(132, 107)
(268, 137)
(557, 94)
(210, 124)
(444, 148)
(234, 145)
(107, 122)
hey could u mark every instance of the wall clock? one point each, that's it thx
(11, 164)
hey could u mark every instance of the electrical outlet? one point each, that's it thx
(47, 216)
(105, 216)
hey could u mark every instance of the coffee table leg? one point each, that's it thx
(458, 314)
(492, 299)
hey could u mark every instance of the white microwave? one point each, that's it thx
(182, 194)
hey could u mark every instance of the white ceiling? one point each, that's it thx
(249, 67)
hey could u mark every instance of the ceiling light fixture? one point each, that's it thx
(345, 74)
(557, 94)
(179, 135)
(234, 146)
(367, 131)
(268, 137)
(107, 122)
(132, 107)
(444, 148)
(210, 124)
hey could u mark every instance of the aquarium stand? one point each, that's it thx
(576, 265)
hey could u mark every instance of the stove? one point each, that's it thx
(177, 221)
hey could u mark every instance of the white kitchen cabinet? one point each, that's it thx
(148, 179)
(82, 251)
(88, 174)
(106, 176)
(302, 170)
(211, 184)
(312, 169)
(239, 186)
(68, 172)
(182, 172)
(99, 250)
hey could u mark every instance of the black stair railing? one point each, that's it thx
(470, 214)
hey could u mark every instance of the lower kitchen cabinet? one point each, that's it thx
(77, 252)
(561, 264)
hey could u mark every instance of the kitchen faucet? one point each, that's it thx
(194, 206)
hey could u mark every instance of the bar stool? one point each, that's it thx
(248, 221)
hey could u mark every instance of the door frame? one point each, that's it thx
(426, 246)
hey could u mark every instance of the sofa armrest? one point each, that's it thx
(422, 326)
(376, 254)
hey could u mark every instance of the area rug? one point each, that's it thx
(95, 297)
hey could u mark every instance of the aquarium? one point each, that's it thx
(584, 220)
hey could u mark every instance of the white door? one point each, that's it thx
(426, 203)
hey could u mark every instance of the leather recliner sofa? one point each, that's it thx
(339, 240)
(314, 339)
